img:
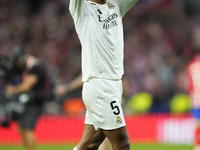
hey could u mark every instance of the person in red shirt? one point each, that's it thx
(193, 71)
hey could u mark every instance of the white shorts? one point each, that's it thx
(102, 99)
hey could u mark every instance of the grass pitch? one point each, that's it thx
(133, 147)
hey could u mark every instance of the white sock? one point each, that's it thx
(75, 148)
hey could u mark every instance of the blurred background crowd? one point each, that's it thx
(160, 38)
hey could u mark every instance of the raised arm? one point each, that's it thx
(76, 8)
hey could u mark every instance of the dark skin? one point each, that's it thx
(91, 139)
(99, 1)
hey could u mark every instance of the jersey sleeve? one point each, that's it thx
(126, 5)
(76, 8)
(35, 70)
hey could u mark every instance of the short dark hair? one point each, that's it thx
(18, 54)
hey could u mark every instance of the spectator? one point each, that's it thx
(34, 79)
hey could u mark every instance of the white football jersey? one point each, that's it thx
(100, 30)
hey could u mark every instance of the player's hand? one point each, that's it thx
(10, 89)
(61, 90)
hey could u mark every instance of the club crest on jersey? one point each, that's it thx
(111, 6)
(118, 120)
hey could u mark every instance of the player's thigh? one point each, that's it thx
(105, 145)
(118, 138)
(91, 138)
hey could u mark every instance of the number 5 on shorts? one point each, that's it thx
(113, 106)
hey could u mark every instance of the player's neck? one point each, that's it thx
(99, 1)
